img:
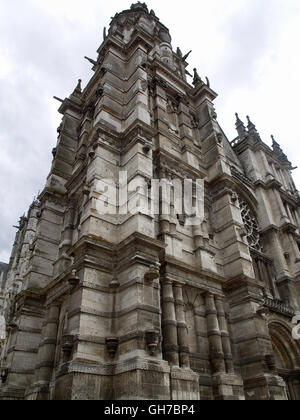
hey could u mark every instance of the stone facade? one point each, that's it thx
(3, 274)
(138, 306)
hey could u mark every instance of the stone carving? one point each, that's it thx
(67, 343)
(146, 149)
(73, 280)
(279, 306)
(112, 345)
(197, 79)
(152, 340)
(115, 284)
(152, 273)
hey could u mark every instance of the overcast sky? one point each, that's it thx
(249, 49)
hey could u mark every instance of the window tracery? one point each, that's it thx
(251, 226)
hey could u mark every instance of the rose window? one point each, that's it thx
(251, 226)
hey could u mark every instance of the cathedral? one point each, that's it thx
(105, 300)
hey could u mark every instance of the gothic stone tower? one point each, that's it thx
(127, 305)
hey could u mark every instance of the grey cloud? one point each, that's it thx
(250, 34)
(46, 62)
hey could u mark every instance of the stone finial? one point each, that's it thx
(274, 142)
(250, 123)
(277, 149)
(197, 79)
(78, 87)
(76, 96)
(179, 52)
(238, 120)
(241, 129)
(252, 129)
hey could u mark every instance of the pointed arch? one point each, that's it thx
(286, 350)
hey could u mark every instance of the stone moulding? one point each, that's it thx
(119, 368)
(279, 306)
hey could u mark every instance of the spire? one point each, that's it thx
(277, 149)
(76, 96)
(252, 129)
(241, 129)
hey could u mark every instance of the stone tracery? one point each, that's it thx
(251, 226)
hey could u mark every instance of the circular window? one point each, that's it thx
(251, 226)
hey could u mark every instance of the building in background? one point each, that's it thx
(121, 305)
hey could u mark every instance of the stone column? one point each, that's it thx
(264, 276)
(265, 163)
(283, 214)
(278, 254)
(68, 228)
(225, 335)
(271, 272)
(169, 323)
(201, 327)
(181, 328)
(274, 171)
(48, 346)
(294, 246)
(288, 210)
(214, 335)
(284, 180)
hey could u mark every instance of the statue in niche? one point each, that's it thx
(172, 115)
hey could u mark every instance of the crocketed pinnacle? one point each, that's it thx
(238, 120)
(277, 149)
(240, 127)
(252, 129)
(78, 89)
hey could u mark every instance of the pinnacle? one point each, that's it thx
(250, 123)
(78, 88)
(238, 120)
